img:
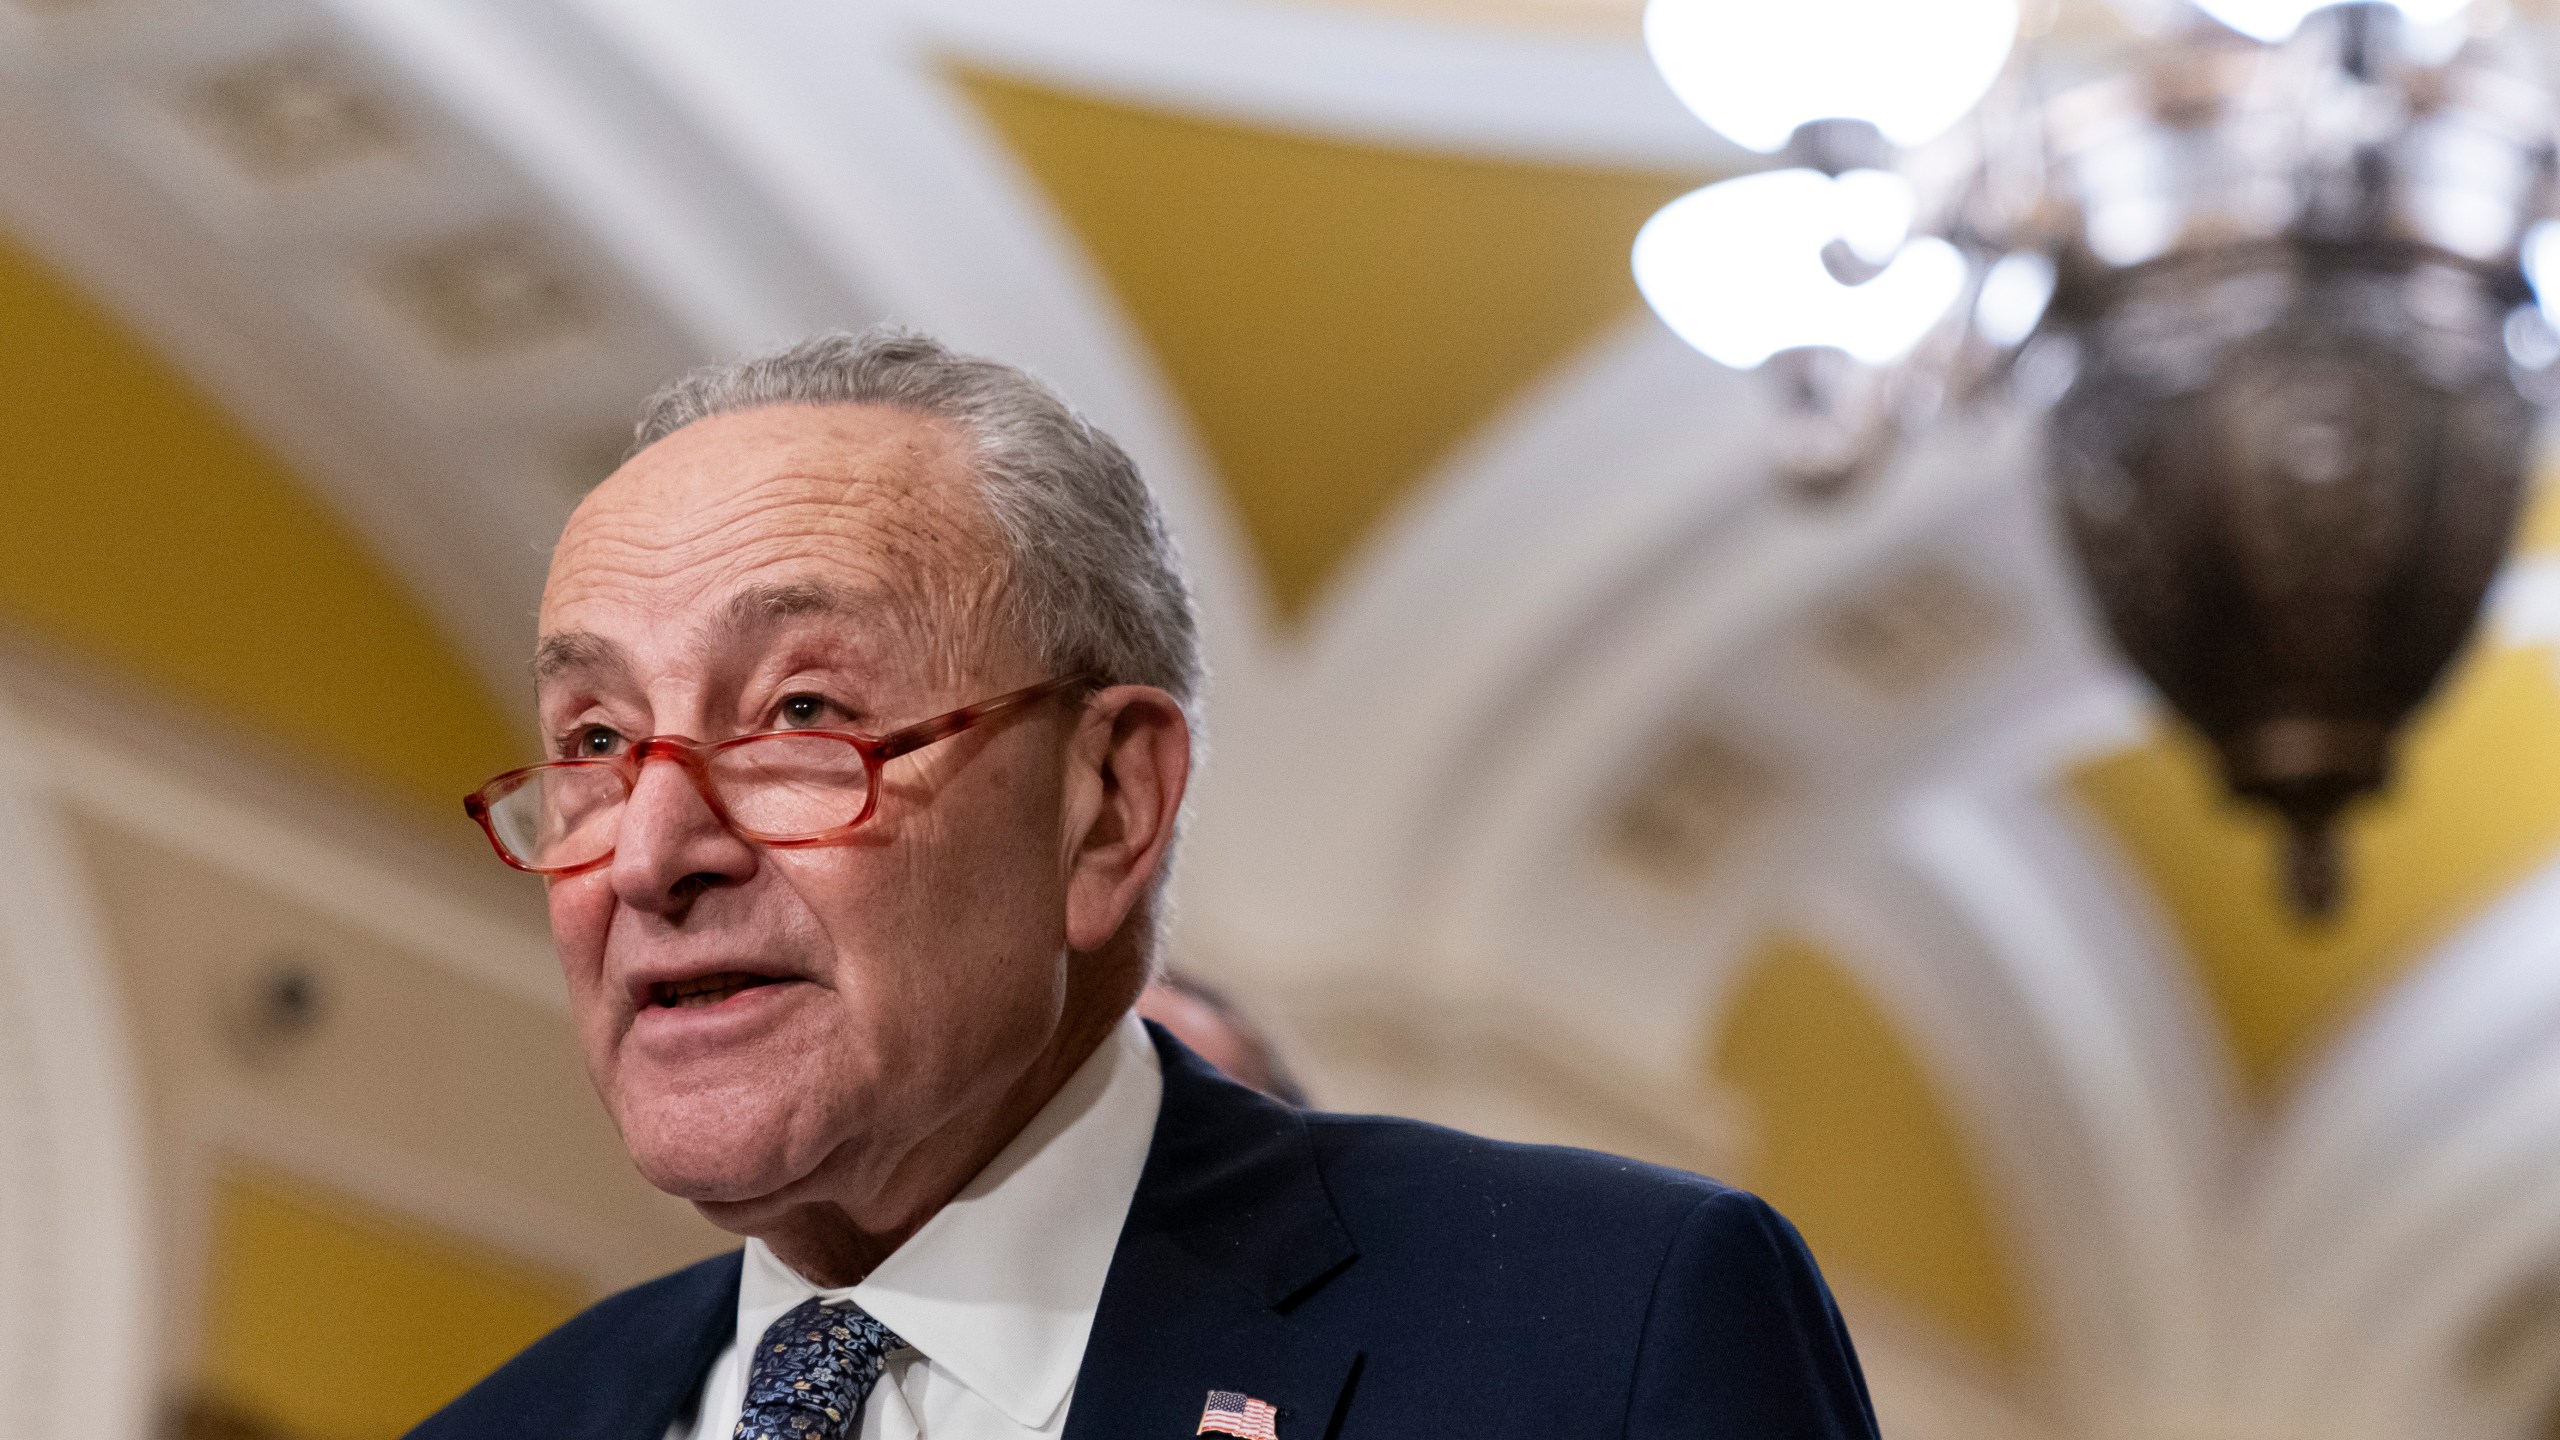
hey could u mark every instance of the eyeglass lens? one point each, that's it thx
(774, 787)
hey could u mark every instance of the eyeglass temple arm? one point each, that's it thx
(943, 727)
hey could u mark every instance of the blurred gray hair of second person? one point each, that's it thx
(1221, 1032)
(819, 1044)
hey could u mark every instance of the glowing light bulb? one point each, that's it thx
(1736, 269)
(2274, 21)
(1757, 69)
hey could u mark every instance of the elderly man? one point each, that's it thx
(866, 687)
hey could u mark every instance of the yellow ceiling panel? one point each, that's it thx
(1334, 317)
(143, 529)
(2476, 806)
(328, 1320)
(1851, 1139)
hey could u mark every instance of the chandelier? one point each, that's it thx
(2273, 285)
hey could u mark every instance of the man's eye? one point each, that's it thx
(803, 710)
(593, 742)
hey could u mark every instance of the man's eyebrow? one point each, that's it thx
(760, 605)
(753, 608)
(569, 650)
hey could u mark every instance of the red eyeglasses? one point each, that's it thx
(782, 788)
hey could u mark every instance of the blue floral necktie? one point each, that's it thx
(812, 1371)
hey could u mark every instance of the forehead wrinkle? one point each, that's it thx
(888, 509)
(870, 521)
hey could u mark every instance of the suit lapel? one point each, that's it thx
(1230, 1227)
(666, 1361)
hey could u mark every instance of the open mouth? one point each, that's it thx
(706, 989)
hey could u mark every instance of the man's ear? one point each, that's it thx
(1127, 765)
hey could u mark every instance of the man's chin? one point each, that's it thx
(721, 1179)
(715, 1156)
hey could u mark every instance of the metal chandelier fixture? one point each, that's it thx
(2277, 285)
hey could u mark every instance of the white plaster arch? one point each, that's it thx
(1588, 504)
(76, 1330)
(2022, 1093)
(1492, 815)
(2414, 1178)
(2138, 1072)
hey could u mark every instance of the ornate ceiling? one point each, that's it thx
(1828, 838)
(145, 531)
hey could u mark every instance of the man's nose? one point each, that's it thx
(672, 846)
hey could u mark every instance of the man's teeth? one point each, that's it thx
(707, 989)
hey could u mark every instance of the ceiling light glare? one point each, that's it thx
(2540, 254)
(1736, 270)
(2531, 342)
(2014, 292)
(2274, 21)
(1756, 69)
(1876, 211)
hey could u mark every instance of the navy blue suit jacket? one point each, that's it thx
(1369, 1277)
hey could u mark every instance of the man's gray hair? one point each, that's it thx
(1093, 581)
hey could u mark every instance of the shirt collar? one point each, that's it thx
(998, 1289)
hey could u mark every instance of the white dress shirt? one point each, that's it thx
(995, 1295)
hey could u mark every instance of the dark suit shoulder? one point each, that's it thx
(1740, 1286)
(1382, 1160)
(1584, 1294)
(1393, 1278)
(609, 1369)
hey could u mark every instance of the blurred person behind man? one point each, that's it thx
(866, 686)
(1202, 1017)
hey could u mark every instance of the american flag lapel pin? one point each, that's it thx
(1232, 1412)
